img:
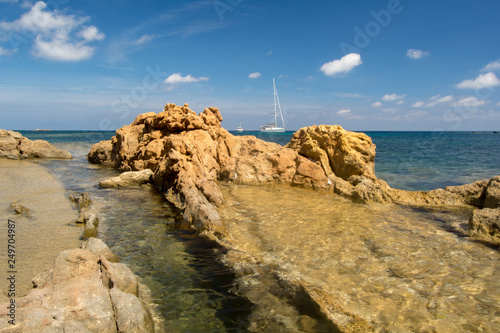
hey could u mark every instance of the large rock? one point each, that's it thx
(14, 146)
(189, 154)
(80, 295)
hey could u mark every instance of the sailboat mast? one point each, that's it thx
(279, 106)
(275, 113)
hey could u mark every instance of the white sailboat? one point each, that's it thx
(273, 127)
(239, 128)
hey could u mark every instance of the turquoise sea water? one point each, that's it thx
(191, 290)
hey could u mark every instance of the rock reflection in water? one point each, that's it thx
(398, 268)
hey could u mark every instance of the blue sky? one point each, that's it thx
(366, 65)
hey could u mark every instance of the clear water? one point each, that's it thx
(434, 267)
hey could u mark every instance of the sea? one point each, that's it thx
(193, 292)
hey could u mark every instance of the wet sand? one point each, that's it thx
(47, 229)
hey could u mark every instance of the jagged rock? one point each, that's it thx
(73, 297)
(485, 222)
(340, 152)
(128, 179)
(100, 152)
(14, 146)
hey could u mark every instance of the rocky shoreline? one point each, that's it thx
(190, 155)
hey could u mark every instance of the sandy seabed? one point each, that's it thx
(40, 235)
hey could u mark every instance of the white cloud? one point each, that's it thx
(393, 97)
(144, 39)
(341, 112)
(178, 78)
(492, 66)
(400, 102)
(482, 81)
(377, 104)
(416, 54)
(91, 33)
(53, 33)
(269, 53)
(254, 75)
(342, 65)
(498, 103)
(470, 101)
(438, 99)
(418, 104)
(61, 49)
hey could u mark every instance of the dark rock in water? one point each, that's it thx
(14, 146)
(90, 228)
(20, 209)
(485, 222)
(82, 201)
(73, 297)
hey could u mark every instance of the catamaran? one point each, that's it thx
(273, 127)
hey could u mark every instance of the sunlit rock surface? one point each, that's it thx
(15, 146)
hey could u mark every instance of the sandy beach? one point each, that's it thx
(45, 230)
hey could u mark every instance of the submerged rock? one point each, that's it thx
(72, 296)
(14, 146)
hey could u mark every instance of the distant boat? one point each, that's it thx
(239, 129)
(273, 127)
(42, 130)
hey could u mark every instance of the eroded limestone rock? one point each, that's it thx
(14, 146)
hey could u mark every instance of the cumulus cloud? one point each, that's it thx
(377, 104)
(482, 81)
(470, 101)
(492, 66)
(91, 33)
(254, 75)
(342, 65)
(56, 36)
(341, 112)
(418, 104)
(178, 78)
(393, 97)
(416, 54)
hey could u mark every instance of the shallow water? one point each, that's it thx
(403, 270)
(399, 268)
(190, 290)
